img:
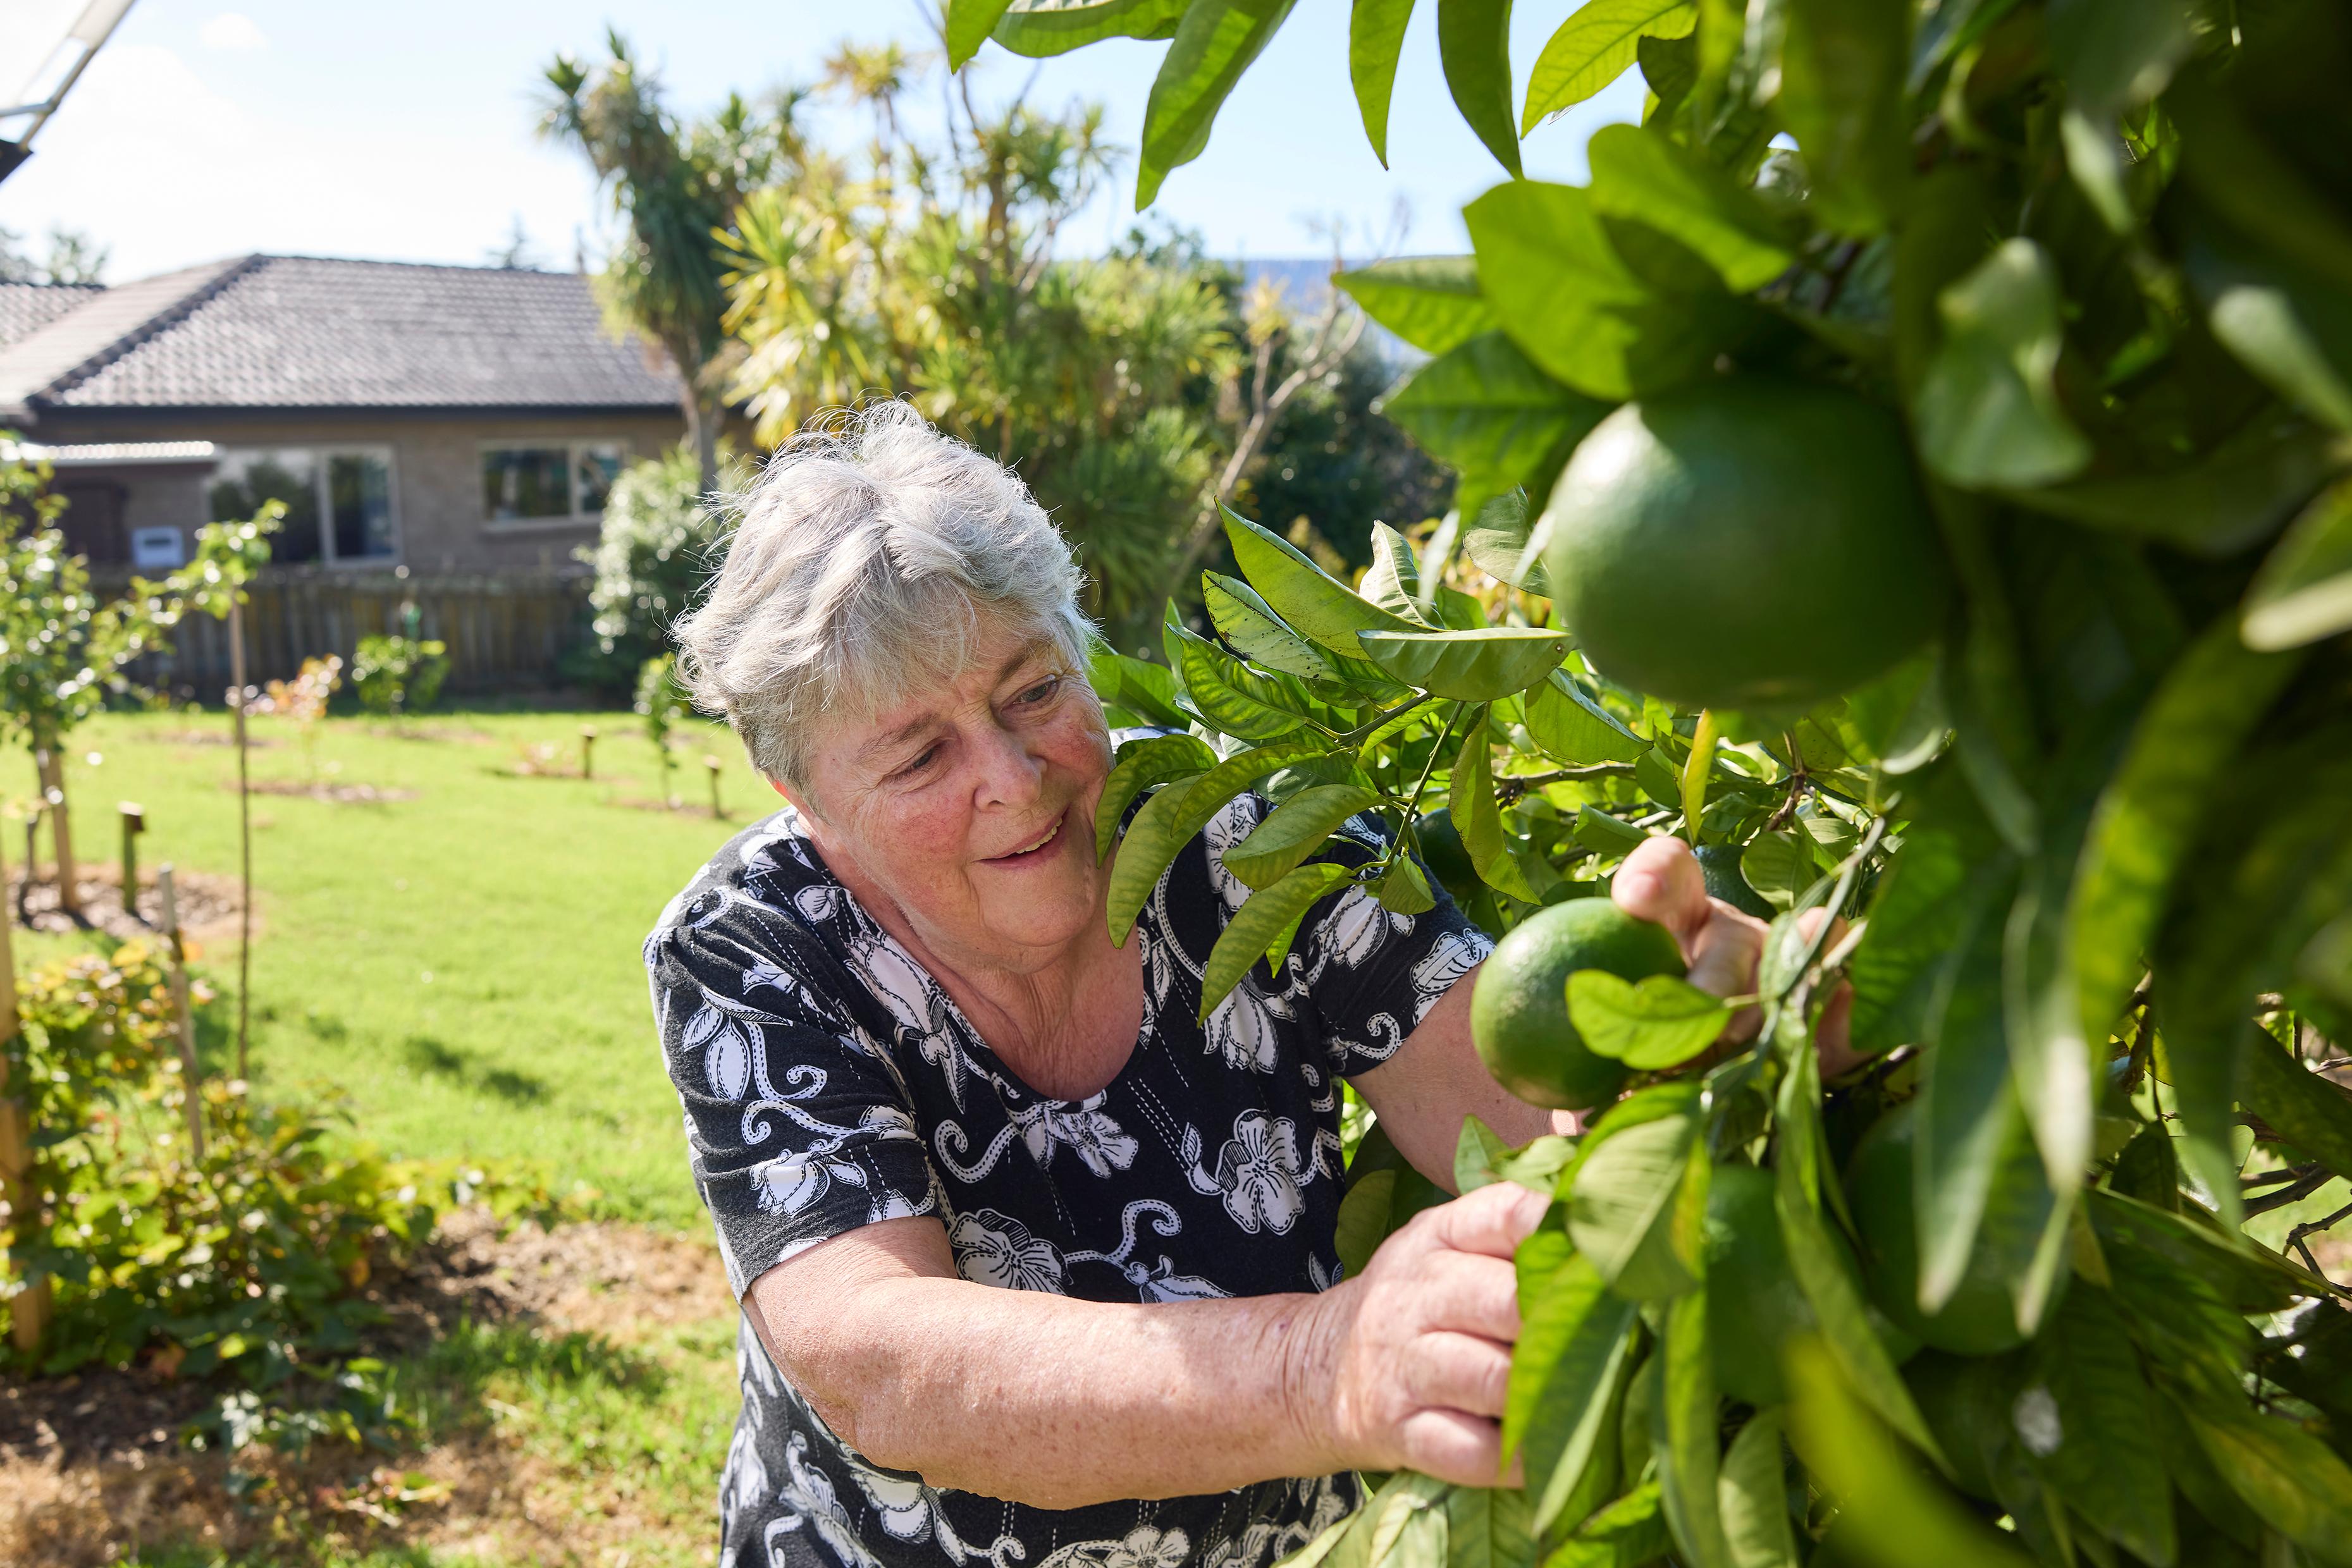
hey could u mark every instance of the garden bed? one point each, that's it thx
(574, 1389)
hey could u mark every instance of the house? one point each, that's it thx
(437, 433)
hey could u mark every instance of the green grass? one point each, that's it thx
(464, 963)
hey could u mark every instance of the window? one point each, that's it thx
(558, 481)
(338, 499)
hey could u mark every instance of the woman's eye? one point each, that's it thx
(922, 760)
(1042, 691)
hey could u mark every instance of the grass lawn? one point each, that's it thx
(461, 959)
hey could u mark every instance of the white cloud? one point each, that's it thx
(233, 32)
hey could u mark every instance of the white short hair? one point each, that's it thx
(863, 559)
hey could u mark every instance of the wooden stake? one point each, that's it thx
(244, 836)
(53, 786)
(716, 814)
(191, 1081)
(587, 751)
(134, 822)
(29, 1311)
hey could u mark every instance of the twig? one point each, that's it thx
(2295, 1238)
(2302, 1186)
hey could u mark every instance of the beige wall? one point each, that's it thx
(437, 476)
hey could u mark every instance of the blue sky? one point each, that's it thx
(404, 132)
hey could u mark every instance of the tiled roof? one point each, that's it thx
(302, 332)
(25, 307)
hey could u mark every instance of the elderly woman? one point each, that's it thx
(1034, 1268)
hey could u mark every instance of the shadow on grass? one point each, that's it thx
(433, 1058)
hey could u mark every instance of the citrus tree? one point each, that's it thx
(1912, 470)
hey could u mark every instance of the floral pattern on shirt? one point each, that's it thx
(828, 1082)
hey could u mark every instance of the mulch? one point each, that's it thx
(208, 904)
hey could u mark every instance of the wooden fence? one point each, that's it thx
(504, 632)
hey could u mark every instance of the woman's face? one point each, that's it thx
(970, 806)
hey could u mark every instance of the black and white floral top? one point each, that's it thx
(828, 1082)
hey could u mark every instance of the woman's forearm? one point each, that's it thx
(1058, 1403)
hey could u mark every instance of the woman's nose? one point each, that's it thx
(1009, 774)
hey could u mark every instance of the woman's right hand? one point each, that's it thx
(1406, 1366)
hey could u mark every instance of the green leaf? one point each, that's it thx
(1475, 1150)
(2230, 498)
(2114, 55)
(1683, 1434)
(1214, 44)
(969, 24)
(1220, 785)
(1501, 543)
(1779, 866)
(1624, 1197)
(1968, 1117)
(1561, 288)
(1144, 689)
(1658, 1023)
(1605, 835)
(2289, 327)
(1405, 890)
(1295, 829)
(2107, 1461)
(1431, 301)
(1488, 1526)
(1468, 667)
(1916, 919)
(1232, 697)
(1038, 28)
(1262, 918)
(1252, 629)
(1641, 175)
(2312, 1113)
(1484, 409)
(1987, 412)
(1364, 1219)
(1146, 852)
(1574, 1336)
(1823, 1273)
(2303, 590)
(1843, 65)
(1375, 39)
(1752, 1495)
(1572, 727)
(1473, 44)
(1393, 580)
(2297, 1483)
(1310, 600)
(1889, 1513)
(1594, 47)
(1471, 797)
(1143, 765)
(2151, 811)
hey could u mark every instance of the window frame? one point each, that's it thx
(323, 454)
(572, 447)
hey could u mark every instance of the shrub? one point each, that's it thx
(658, 544)
(397, 675)
(246, 1265)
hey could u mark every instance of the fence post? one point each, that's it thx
(134, 822)
(176, 950)
(29, 1310)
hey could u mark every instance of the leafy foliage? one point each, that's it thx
(658, 545)
(2097, 254)
(397, 675)
(245, 1266)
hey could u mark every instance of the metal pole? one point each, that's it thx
(29, 1311)
(191, 1081)
(244, 837)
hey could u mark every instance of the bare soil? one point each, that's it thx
(91, 1468)
(340, 794)
(207, 903)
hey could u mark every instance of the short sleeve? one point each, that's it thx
(1369, 975)
(798, 1128)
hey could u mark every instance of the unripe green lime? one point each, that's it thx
(1519, 1011)
(1979, 1319)
(1747, 541)
(1719, 865)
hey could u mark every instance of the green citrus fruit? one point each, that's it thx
(1719, 865)
(1753, 1303)
(1748, 541)
(1519, 1011)
(1979, 1319)
(1443, 852)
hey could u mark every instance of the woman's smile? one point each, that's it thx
(1044, 847)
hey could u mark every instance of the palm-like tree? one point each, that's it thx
(677, 187)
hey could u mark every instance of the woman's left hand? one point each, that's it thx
(1661, 882)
